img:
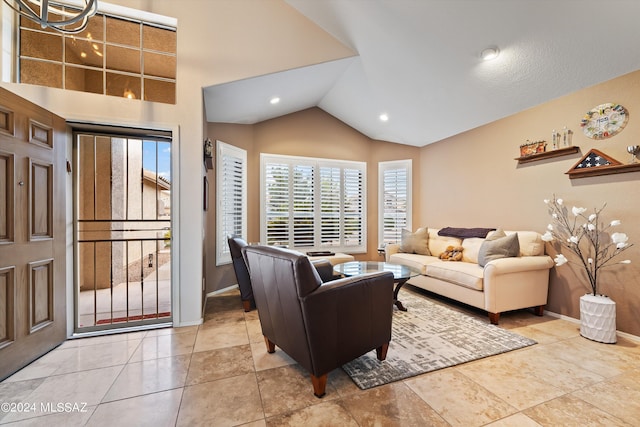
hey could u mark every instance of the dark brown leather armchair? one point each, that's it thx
(242, 274)
(321, 326)
(323, 266)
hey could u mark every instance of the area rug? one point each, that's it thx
(430, 336)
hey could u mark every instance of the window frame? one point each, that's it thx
(316, 164)
(383, 169)
(224, 152)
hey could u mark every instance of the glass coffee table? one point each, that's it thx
(401, 273)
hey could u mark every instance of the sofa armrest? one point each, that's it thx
(515, 283)
(390, 249)
(517, 265)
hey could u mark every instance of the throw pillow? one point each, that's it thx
(498, 245)
(415, 243)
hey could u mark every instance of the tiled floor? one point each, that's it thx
(220, 374)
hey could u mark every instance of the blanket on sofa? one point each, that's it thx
(464, 233)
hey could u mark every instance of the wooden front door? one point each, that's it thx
(32, 232)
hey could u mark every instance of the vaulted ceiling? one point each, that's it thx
(418, 61)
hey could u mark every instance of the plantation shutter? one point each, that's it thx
(395, 200)
(276, 183)
(330, 212)
(231, 195)
(303, 206)
(353, 207)
(311, 204)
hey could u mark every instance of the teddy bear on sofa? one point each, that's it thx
(452, 253)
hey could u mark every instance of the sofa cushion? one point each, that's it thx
(419, 262)
(461, 273)
(471, 248)
(415, 243)
(531, 243)
(438, 244)
(498, 245)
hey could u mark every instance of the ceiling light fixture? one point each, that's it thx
(490, 53)
(274, 100)
(384, 117)
(70, 18)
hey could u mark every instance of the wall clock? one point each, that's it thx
(604, 121)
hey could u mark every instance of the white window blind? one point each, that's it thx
(231, 195)
(313, 204)
(394, 188)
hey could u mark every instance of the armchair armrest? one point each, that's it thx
(324, 269)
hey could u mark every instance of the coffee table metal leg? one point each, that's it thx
(395, 295)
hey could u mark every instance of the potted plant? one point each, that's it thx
(587, 236)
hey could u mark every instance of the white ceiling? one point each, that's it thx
(419, 62)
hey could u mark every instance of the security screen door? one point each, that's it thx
(123, 231)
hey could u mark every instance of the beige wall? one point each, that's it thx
(309, 133)
(472, 180)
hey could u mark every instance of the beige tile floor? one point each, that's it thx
(220, 374)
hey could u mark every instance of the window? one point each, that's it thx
(231, 195)
(313, 204)
(394, 211)
(114, 55)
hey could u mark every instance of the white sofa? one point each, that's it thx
(503, 284)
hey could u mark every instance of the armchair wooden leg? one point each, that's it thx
(271, 347)
(319, 384)
(539, 310)
(494, 318)
(381, 352)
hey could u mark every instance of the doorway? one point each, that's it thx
(122, 236)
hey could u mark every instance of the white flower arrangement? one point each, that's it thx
(589, 240)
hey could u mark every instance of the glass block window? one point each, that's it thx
(113, 56)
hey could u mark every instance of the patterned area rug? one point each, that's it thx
(428, 337)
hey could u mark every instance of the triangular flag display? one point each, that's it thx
(592, 160)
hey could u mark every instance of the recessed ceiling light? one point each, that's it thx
(274, 100)
(384, 117)
(490, 53)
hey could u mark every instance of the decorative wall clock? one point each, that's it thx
(604, 121)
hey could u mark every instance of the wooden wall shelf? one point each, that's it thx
(603, 170)
(548, 154)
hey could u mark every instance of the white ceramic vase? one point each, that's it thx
(598, 318)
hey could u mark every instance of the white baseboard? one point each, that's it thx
(221, 291)
(577, 322)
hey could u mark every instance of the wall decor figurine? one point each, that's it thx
(529, 148)
(634, 150)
